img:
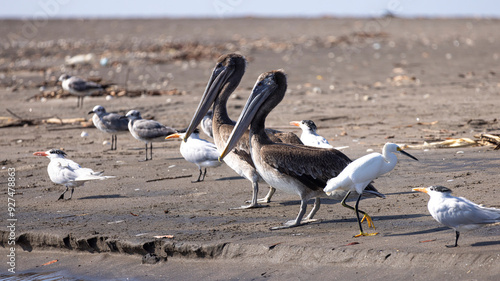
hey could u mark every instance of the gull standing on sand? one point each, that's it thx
(148, 131)
(361, 172)
(79, 87)
(457, 212)
(67, 172)
(296, 169)
(110, 123)
(198, 151)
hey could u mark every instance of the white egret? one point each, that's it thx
(358, 174)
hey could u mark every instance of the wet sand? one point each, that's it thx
(363, 82)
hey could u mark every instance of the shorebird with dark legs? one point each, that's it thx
(296, 169)
(110, 123)
(198, 151)
(67, 172)
(79, 87)
(361, 172)
(457, 212)
(148, 131)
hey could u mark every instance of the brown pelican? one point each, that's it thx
(225, 78)
(295, 169)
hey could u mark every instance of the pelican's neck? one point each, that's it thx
(220, 110)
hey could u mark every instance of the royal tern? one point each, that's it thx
(148, 131)
(225, 78)
(198, 151)
(309, 135)
(296, 169)
(79, 87)
(110, 123)
(457, 212)
(361, 172)
(67, 172)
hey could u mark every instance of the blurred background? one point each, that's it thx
(242, 8)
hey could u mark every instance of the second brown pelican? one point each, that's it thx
(226, 76)
(295, 169)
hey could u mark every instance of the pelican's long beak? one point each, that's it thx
(420, 189)
(214, 86)
(260, 93)
(407, 154)
(174, 136)
(40, 153)
(295, 123)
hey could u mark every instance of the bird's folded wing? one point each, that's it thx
(311, 166)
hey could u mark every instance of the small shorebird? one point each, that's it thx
(198, 151)
(296, 169)
(361, 172)
(148, 131)
(67, 172)
(457, 212)
(79, 87)
(110, 123)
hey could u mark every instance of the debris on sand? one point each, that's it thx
(448, 143)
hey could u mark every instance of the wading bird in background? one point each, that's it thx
(79, 87)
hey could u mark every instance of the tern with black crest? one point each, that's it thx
(67, 172)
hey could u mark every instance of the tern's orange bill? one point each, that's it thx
(421, 189)
(173, 136)
(40, 153)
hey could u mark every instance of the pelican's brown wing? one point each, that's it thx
(311, 166)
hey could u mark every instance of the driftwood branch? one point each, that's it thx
(170, 178)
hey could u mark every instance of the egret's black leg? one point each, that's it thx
(365, 215)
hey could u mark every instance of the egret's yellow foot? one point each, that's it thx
(368, 220)
(365, 234)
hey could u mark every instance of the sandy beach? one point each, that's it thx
(364, 82)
